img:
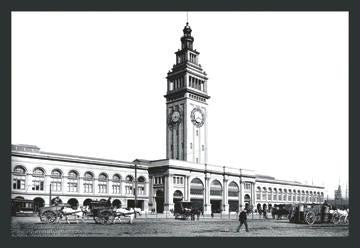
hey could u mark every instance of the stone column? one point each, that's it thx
(253, 194)
(188, 187)
(96, 183)
(225, 196)
(241, 196)
(150, 192)
(207, 205)
(168, 189)
(81, 185)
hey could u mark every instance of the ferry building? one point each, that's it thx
(185, 174)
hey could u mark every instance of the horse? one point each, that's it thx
(79, 213)
(123, 212)
(340, 216)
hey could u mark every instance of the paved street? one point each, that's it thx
(31, 226)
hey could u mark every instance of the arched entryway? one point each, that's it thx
(74, 203)
(197, 193)
(233, 197)
(38, 203)
(177, 196)
(87, 202)
(247, 201)
(116, 203)
(54, 199)
(159, 199)
(216, 196)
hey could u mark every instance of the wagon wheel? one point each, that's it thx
(48, 217)
(106, 217)
(310, 218)
(336, 219)
(343, 219)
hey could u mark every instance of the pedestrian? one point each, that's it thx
(212, 214)
(243, 220)
(198, 214)
(265, 212)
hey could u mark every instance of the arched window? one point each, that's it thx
(19, 170)
(19, 178)
(285, 195)
(280, 195)
(233, 190)
(56, 181)
(129, 185)
(116, 178)
(264, 192)
(215, 188)
(38, 179)
(141, 179)
(298, 195)
(39, 172)
(103, 177)
(129, 178)
(73, 181)
(196, 187)
(102, 184)
(56, 173)
(258, 193)
(141, 185)
(88, 182)
(303, 196)
(269, 194)
(275, 195)
(294, 195)
(289, 195)
(73, 174)
(116, 186)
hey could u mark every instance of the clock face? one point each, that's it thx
(197, 117)
(175, 116)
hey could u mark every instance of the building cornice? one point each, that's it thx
(77, 159)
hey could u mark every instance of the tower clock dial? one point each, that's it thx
(197, 117)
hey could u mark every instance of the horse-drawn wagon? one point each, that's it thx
(309, 214)
(51, 213)
(281, 210)
(183, 210)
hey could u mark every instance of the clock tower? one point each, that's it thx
(186, 105)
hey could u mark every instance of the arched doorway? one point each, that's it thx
(247, 201)
(87, 202)
(116, 203)
(159, 199)
(178, 196)
(233, 197)
(38, 203)
(53, 201)
(73, 202)
(258, 207)
(197, 193)
(216, 196)
(264, 207)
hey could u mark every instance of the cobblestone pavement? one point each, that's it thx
(31, 226)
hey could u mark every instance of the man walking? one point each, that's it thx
(243, 220)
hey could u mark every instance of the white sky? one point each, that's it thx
(92, 84)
